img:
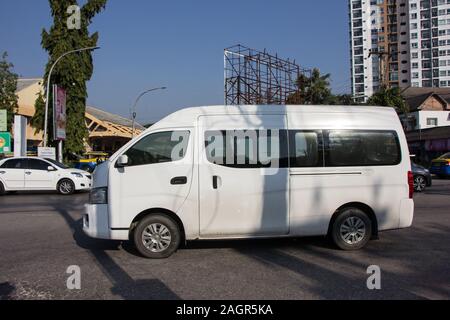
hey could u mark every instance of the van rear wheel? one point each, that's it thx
(156, 236)
(352, 229)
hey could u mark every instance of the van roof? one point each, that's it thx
(187, 117)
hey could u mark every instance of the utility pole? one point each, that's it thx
(133, 109)
(384, 82)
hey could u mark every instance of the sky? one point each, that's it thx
(179, 44)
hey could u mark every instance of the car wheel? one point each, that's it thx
(2, 189)
(66, 187)
(352, 229)
(419, 183)
(157, 236)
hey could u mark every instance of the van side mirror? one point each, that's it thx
(50, 168)
(122, 161)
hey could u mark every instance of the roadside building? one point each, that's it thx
(428, 144)
(428, 108)
(107, 131)
(27, 92)
(427, 125)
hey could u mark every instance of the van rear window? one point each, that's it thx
(361, 148)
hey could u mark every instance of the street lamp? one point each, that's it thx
(48, 85)
(133, 109)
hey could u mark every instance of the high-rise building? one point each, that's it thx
(399, 43)
(429, 43)
(364, 68)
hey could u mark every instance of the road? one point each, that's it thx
(41, 236)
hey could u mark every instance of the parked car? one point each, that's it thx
(33, 173)
(422, 177)
(230, 172)
(441, 165)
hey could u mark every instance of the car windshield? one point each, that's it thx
(58, 164)
(445, 156)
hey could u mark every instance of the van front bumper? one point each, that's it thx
(96, 223)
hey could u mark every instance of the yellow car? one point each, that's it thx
(441, 165)
(91, 160)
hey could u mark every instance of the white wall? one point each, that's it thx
(442, 116)
(421, 119)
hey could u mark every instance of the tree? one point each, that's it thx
(8, 87)
(342, 100)
(72, 71)
(389, 98)
(311, 90)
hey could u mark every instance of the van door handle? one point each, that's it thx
(215, 179)
(178, 180)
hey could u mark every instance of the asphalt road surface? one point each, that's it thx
(41, 236)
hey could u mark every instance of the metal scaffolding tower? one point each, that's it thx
(255, 77)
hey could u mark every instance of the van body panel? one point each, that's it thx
(406, 213)
(247, 201)
(317, 192)
(135, 189)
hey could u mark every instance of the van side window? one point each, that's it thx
(361, 148)
(247, 149)
(158, 147)
(306, 149)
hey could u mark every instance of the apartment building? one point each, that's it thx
(398, 43)
(363, 18)
(430, 43)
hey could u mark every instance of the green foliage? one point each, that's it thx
(342, 100)
(8, 86)
(389, 98)
(311, 90)
(71, 72)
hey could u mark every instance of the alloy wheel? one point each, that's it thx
(352, 230)
(66, 187)
(419, 183)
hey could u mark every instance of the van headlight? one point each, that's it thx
(98, 196)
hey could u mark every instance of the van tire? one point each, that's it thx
(65, 187)
(161, 227)
(352, 229)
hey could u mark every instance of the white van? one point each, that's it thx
(234, 172)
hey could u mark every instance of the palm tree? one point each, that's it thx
(311, 90)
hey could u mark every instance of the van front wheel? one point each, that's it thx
(352, 229)
(156, 236)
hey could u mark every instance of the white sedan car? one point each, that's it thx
(31, 173)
